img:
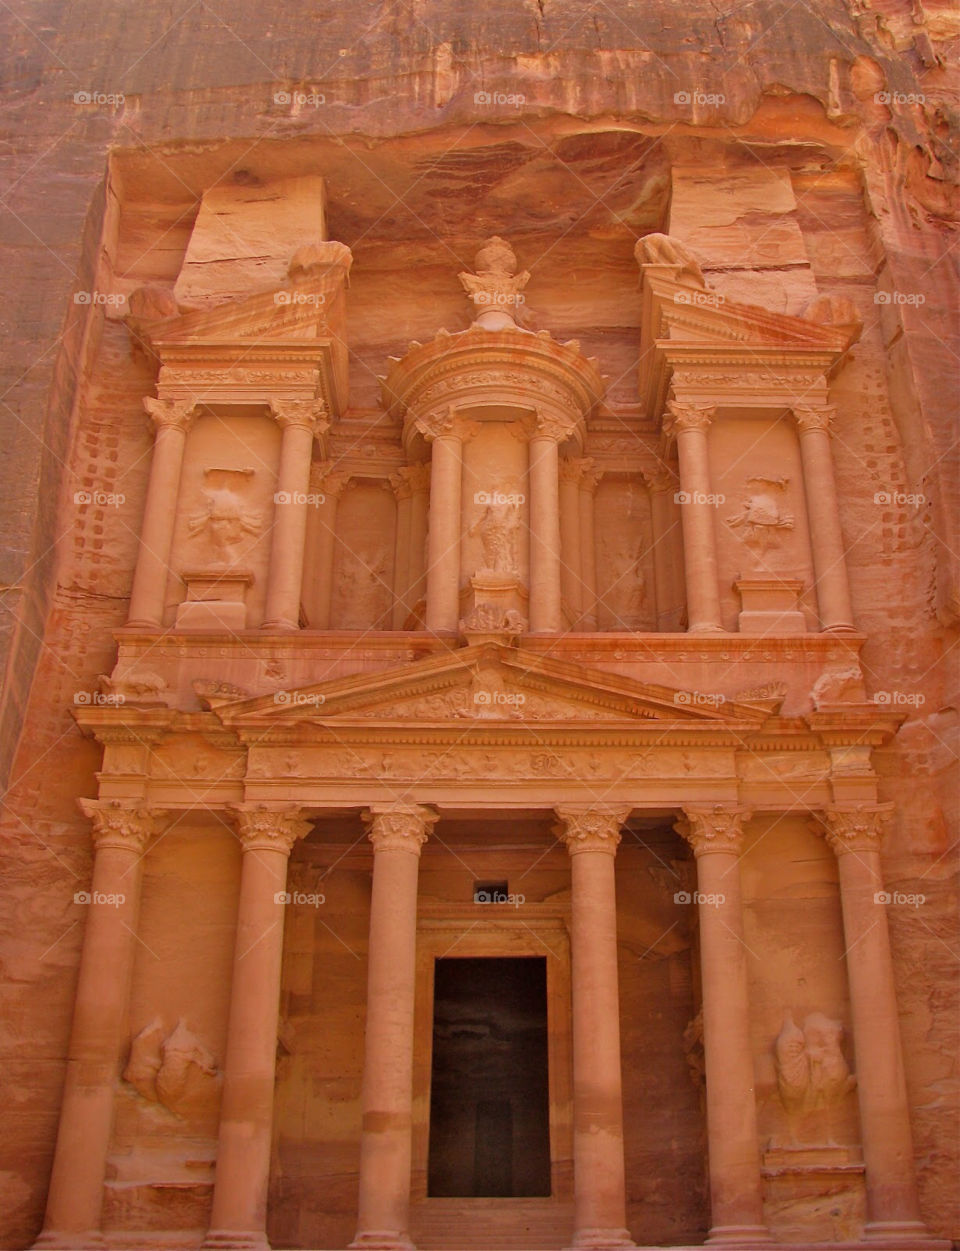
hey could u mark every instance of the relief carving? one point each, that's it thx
(175, 1070)
(838, 683)
(760, 516)
(626, 596)
(492, 618)
(498, 528)
(812, 1072)
(225, 518)
(362, 587)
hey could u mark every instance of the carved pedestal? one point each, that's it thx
(493, 604)
(769, 605)
(215, 601)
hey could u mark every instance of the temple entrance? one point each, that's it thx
(489, 1101)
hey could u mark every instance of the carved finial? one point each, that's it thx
(496, 289)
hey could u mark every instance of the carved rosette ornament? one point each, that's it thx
(591, 829)
(855, 829)
(713, 830)
(399, 827)
(683, 417)
(270, 827)
(163, 412)
(307, 414)
(811, 418)
(126, 827)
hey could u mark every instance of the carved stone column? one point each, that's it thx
(589, 478)
(239, 1217)
(318, 569)
(397, 834)
(689, 425)
(571, 574)
(300, 421)
(736, 1197)
(667, 569)
(172, 419)
(826, 536)
(546, 613)
(893, 1209)
(600, 1212)
(100, 1031)
(443, 552)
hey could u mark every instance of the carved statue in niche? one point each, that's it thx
(498, 528)
(626, 595)
(760, 516)
(363, 588)
(225, 519)
(171, 1070)
(812, 1073)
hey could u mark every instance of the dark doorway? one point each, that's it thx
(489, 1098)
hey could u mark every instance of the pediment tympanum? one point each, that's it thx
(488, 683)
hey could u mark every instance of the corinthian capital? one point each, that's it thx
(270, 827)
(858, 828)
(410, 480)
(813, 416)
(681, 417)
(307, 414)
(128, 827)
(170, 412)
(583, 828)
(399, 827)
(712, 829)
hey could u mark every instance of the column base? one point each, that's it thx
(381, 1240)
(707, 627)
(55, 1240)
(839, 627)
(601, 1240)
(235, 1240)
(901, 1234)
(739, 1236)
(280, 625)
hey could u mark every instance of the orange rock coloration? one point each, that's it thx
(480, 602)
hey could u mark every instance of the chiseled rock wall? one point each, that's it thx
(785, 145)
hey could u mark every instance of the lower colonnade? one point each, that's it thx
(122, 834)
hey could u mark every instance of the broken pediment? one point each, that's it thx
(488, 683)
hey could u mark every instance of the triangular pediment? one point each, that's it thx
(483, 684)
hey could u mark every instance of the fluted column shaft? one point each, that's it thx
(823, 510)
(697, 515)
(571, 577)
(100, 1029)
(239, 1217)
(443, 557)
(397, 834)
(600, 1212)
(736, 1196)
(546, 613)
(893, 1208)
(300, 421)
(589, 477)
(147, 596)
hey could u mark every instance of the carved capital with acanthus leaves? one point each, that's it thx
(411, 480)
(270, 827)
(446, 424)
(166, 412)
(327, 480)
(813, 417)
(712, 829)
(681, 418)
(660, 478)
(859, 828)
(120, 825)
(586, 828)
(306, 414)
(399, 827)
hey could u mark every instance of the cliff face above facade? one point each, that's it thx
(799, 150)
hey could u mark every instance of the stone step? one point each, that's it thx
(491, 1224)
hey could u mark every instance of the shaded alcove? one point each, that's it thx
(489, 1103)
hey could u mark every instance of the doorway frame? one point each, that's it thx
(532, 931)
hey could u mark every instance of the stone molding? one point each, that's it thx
(126, 827)
(399, 827)
(858, 828)
(591, 828)
(168, 412)
(270, 827)
(712, 830)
